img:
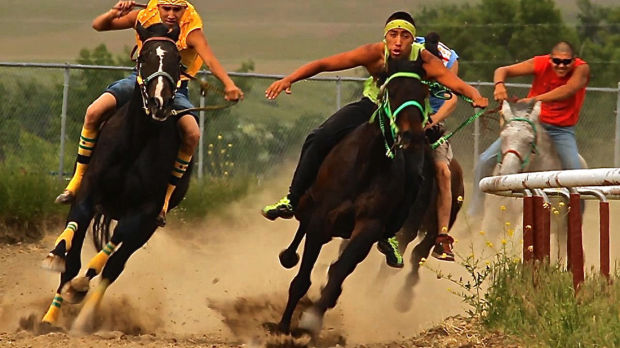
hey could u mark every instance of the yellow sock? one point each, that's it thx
(444, 230)
(67, 235)
(180, 167)
(88, 139)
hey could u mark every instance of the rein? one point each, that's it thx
(443, 92)
(204, 88)
(204, 85)
(387, 110)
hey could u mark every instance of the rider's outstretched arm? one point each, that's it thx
(361, 56)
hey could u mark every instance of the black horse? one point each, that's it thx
(360, 193)
(126, 179)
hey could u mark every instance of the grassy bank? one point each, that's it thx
(535, 303)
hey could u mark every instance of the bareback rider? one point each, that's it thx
(398, 43)
(560, 80)
(442, 106)
(194, 50)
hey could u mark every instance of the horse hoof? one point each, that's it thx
(76, 290)
(274, 328)
(288, 258)
(311, 322)
(54, 263)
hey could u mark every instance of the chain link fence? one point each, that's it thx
(42, 108)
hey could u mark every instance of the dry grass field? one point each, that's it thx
(277, 35)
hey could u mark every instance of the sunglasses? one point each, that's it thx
(558, 61)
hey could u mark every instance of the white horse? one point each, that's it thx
(526, 147)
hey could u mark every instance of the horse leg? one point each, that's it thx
(78, 287)
(422, 250)
(365, 234)
(67, 252)
(133, 231)
(289, 257)
(301, 283)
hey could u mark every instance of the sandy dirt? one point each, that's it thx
(215, 283)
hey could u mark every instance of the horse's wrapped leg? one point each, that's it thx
(51, 316)
(55, 260)
(77, 288)
(84, 323)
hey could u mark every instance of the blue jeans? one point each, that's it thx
(122, 90)
(564, 142)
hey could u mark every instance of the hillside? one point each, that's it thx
(276, 34)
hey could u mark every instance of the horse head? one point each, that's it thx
(404, 99)
(518, 135)
(159, 69)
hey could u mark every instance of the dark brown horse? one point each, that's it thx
(126, 179)
(360, 193)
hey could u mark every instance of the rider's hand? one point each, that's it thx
(123, 7)
(277, 87)
(500, 93)
(233, 93)
(480, 102)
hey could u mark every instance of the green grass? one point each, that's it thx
(535, 303)
(539, 306)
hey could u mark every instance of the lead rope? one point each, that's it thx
(204, 89)
(445, 90)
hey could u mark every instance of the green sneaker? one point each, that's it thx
(282, 209)
(389, 247)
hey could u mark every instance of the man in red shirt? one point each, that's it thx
(560, 81)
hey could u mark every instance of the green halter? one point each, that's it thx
(385, 107)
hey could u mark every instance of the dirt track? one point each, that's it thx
(216, 283)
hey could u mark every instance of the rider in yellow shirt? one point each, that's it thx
(194, 50)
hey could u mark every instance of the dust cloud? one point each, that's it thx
(220, 278)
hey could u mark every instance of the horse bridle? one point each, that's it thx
(387, 109)
(143, 82)
(524, 161)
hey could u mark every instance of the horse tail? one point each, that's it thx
(289, 256)
(101, 230)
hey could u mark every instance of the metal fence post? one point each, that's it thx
(63, 122)
(476, 138)
(338, 92)
(617, 142)
(201, 140)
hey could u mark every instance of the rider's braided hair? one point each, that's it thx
(431, 41)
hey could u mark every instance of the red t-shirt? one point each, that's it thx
(561, 113)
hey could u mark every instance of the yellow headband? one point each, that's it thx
(172, 2)
(399, 24)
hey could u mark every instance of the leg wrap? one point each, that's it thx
(97, 262)
(52, 313)
(67, 235)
